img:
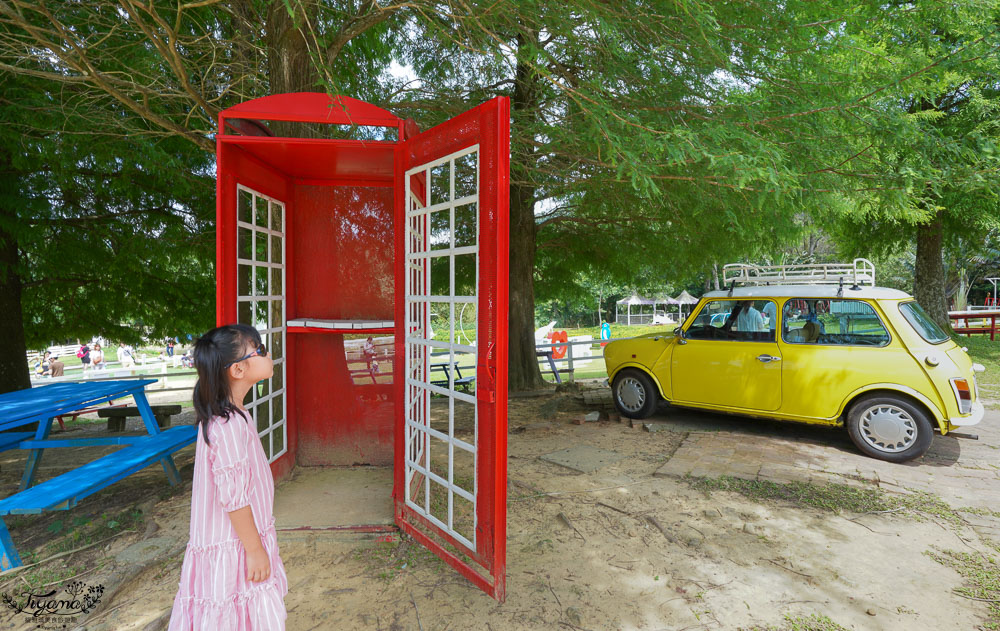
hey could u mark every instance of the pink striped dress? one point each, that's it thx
(230, 472)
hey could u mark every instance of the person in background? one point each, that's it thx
(369, 353)
(770, 311)
(84, 354)
(170, 348)
(56, 367)
(126, 355)
(749, 319)
(97, 357)
(43, 367)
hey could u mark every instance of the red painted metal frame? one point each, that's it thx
(253, 161)
(234, 167)
(313, 107)
(257, 162)
(488, 126)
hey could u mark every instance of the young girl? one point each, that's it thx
(232, 577)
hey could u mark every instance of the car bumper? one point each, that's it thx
(978, 410)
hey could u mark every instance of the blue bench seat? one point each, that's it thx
(64, 491)
(10, 440)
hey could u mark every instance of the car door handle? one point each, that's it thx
(768, 358)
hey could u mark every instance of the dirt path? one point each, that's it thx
(584, 552)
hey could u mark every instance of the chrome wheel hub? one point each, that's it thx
(631, 394)
(888, 428)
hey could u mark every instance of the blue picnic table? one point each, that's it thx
(446, 368)
(24, 407)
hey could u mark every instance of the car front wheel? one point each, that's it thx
(889, 427)
(634, 393)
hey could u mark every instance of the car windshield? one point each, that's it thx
(919, 320)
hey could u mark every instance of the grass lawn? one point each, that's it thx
(620, 330)
(987, 353)
(595, 368)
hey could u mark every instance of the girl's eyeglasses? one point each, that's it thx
(260, 350)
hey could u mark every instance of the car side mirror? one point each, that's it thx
(679, 334)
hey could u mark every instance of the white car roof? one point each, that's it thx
(810, 291)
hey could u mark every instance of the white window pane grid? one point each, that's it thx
(421, 250)
(262, 305)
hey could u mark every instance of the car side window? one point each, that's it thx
(736, 320)
(832, 322)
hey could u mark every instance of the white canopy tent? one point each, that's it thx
(641, 316)
(683, 299)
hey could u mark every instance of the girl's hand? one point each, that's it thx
(258, 565)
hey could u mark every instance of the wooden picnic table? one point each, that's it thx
(40, 405)
(965, 316)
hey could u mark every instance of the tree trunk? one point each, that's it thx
(929, 281)
(523, 373)
(600, 304)
(14, 372)
(289, 67)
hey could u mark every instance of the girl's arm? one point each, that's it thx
(258, 565)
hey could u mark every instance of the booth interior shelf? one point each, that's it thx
(314, 325)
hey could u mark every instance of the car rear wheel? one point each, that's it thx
(634, 393)
(889, 427)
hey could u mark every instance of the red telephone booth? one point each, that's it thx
(373, 260)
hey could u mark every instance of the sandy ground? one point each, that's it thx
(584, 551)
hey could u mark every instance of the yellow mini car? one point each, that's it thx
(816, 344)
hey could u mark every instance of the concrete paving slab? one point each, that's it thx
(962, 472)
(582, 458)
(334, 497)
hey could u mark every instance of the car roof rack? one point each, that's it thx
(860, 272)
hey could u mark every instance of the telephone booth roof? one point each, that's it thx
(320, 159)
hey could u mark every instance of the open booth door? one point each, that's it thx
(451, 226)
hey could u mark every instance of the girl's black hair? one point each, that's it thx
(213, 352)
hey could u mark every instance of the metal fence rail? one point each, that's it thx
(158, 370)
(570, 359)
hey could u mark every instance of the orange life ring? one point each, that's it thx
(558, 352)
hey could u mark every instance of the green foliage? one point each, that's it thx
(813, 622)
(986, 352)
(654, 138)
(116, 237)
(659, 138)
(828, 497)
(106, 125)
(389, 559)
(832, 497)
(982, 578)
(930, 141)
